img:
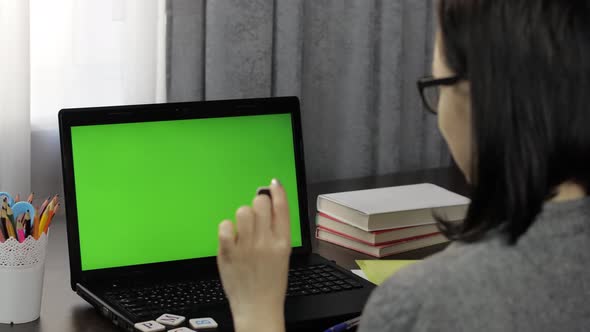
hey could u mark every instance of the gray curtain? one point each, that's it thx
(353, 63)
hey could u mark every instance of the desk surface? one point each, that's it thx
(64, 311)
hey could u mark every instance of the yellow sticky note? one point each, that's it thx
(377, 271)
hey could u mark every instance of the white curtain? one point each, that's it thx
(14, 96)
(82, 53)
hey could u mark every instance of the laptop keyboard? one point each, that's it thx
(180, 297)
(316, 279)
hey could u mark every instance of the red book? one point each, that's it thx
(381, 250)
(373, 238)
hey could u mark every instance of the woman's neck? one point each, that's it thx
(568, 191)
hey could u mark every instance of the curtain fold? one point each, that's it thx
(15, 151)
(353, 63)
(185, 37)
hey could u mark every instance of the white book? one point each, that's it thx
(394, 207)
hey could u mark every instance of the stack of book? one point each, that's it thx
(386, 221)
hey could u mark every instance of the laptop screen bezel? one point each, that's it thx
(164, 112)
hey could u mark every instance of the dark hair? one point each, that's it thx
(528, 64)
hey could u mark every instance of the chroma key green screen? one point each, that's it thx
(156, 191)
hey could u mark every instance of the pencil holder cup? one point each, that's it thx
(22, 266)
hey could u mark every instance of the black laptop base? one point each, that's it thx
(343, 296)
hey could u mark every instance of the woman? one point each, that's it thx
(514, 108)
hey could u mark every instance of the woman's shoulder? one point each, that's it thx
(460, 263)
(437, 287)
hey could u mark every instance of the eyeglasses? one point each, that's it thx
(429, 88)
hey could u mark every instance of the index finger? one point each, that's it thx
(280, 209)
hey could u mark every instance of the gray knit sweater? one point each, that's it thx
(541, 284)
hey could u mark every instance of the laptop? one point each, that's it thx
(145, 189)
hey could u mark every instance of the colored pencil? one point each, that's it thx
(51, 215)
(20, 232)
(2, 237)
(43, 206)
(43, 223)
(9, 213)
(52, 203)
(30, 198)
(20, 218)
(17, 198)
(35, 229)
(4, 217)
(9, 227)
(55, 199)
(27, 223)
(51, 210)
(3, 229)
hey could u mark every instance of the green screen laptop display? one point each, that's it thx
(156, 191)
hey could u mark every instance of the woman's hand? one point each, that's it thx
(254, 262)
